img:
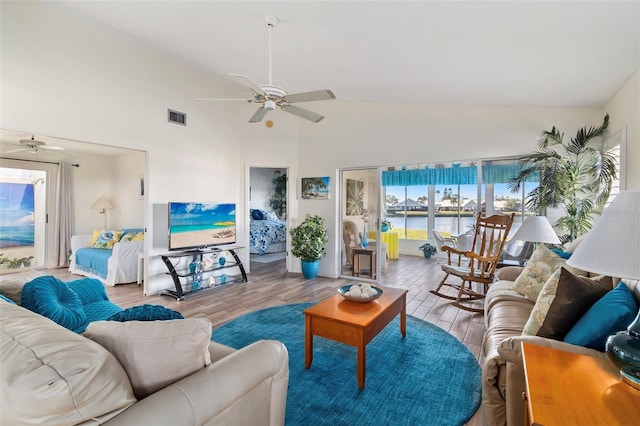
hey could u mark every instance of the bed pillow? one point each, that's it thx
(270, 215)
(257, 214)
(183, 344)
(146, 313)
(107, 239)
(537, 271)
(612, 313)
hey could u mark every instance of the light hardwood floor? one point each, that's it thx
(270, 285)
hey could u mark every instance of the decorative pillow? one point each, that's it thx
(107, 239)
(257, 214)
(155, 353)
(561, 253)
(574, 296)
(146, 313)
(51, 298)
(270, 216)
(132, 236)
(543, 303)
(537, 271)
(612, 313)
(94, 236)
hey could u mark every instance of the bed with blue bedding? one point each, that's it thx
(267, 234)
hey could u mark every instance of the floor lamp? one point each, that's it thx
(612, 248)
(103, 204)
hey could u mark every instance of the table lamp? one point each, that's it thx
(536, 229)
(612, 248)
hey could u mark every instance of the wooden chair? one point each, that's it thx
(478, 265)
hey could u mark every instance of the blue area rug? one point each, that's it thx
(427, 378)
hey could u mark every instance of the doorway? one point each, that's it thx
(23, 217)
(362, 257)
(268, 230)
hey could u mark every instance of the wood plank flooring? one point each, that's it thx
(270, 285)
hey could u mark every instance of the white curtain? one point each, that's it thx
(63, 223)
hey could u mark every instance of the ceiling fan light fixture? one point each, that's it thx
(270, 105)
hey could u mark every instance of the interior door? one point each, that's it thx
(362, 258)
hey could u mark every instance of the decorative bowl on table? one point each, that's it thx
(360, 293)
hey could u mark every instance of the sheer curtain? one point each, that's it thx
(63, 223)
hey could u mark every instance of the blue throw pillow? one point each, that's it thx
(562, 254)
(146, 313)
(257, 214)
(52, 298)
(612, 313)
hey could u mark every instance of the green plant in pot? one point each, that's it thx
(576, 176)
(428, 249)
(385, 225)
(307, 243)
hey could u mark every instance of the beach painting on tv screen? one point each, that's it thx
(16, 215)
(201, 224)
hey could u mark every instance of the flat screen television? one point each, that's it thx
(201, 225)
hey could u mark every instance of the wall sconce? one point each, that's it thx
(103, 204)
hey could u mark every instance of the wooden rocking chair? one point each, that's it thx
(477, 265)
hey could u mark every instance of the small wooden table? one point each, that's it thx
(564, 388)
(354, 323)
(358, 270)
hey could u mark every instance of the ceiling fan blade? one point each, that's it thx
(316, 95)
(258, 115)
(304, 113)
(222, 99)
(248, 82)
(14, 150)
(52, 148)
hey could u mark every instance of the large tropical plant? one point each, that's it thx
(308, 239)
(576, 177)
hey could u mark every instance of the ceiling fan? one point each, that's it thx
(33, 145)
(272, 97)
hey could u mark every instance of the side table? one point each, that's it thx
(565, 388)
(358, 269)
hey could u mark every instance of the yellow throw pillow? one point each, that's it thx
(543, 303)
(138, 237)
(133, 236)
(535, 274)
(107, 239)
(155, 353)
(94, 236)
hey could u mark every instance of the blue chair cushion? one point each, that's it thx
(51, 298)
(612, 313)
(146, 313)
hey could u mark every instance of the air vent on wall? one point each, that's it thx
(177, 117)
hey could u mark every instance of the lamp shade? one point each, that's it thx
(102, 203)
(612, 247)
(536, 229)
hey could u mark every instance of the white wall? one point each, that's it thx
(76, 79)
(624, 111)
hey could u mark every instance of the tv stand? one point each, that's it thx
(205, 274)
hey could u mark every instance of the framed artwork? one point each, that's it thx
(355, 197)
(315, 188)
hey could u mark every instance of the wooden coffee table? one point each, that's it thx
(354, 323)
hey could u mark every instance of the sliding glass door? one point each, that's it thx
(22, 218)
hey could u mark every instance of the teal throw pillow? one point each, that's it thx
(146, 313)
(562, 254)
(612, 313)
(52, 298)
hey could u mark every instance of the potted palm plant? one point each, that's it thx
(307, 243)
(576, 177)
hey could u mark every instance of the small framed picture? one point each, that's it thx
(315, 188)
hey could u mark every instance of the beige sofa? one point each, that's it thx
(52, 376)
(503, 382)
